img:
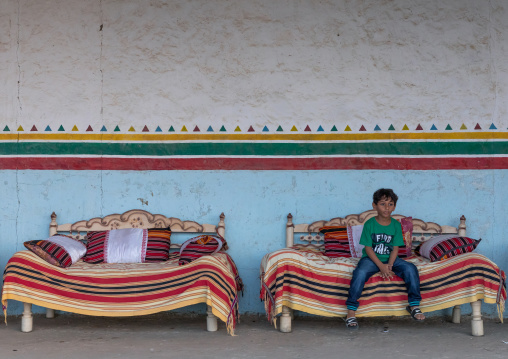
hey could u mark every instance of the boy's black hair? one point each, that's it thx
(384, 193)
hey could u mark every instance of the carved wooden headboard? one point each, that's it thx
(136, 218)
(422, 230)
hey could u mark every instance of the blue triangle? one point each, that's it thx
(377, 128)
(103, 129)
(158, 129)
(492, 127)
(210, 129)
(48, 128)
(265, 129)
(320, 128)
(433, 128)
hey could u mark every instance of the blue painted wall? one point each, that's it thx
(255, 203)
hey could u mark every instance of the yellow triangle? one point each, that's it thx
(237, 129)
(463, 127)
(405, 128)
(75, 128)
(20, 128)
(132, 129)
(293, 128)
(347, 128)
(184, 129)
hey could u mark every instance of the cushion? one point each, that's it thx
(59, 250)
(446, 246)
(407, 234)
(199, 246)
(354, 234)
(129, 245)
(336, 241)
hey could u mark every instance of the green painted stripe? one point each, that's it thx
(254, 149)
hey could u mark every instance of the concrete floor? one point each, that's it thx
(166, 335)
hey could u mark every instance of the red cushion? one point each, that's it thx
(54, 253)
(199, 246)
(443, 247)
(336, 241)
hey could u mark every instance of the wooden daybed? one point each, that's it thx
(125, 289)
(300, 277)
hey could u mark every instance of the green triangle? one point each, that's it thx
(334, 129)
(116, 129)
(61, 128)
(448, 128)
(280, 128)
(391, 128)
(6, 128)
(171, 129)
(222, 129)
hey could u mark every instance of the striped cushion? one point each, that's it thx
(157, 245)
(199, 246)
(59, 250)
(336, 241)
(446, 246)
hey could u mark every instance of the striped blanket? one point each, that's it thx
(308, 281)
(125, 289)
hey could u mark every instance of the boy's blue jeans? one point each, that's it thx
(366, 268)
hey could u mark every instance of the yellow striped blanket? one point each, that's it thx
(308, 281)
(124, 289)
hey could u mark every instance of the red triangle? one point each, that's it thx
(34, 128)
(419, 128)
(477, 127)
(307, 128)
(196, 129)
(89, 128)
(250, 129)
(362, 128)
(145, 129)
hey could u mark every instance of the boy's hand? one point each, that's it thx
(386, 271)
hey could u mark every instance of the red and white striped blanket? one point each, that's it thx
(308, 281)
(113, 289)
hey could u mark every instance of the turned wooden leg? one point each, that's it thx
(456, 314)
(27, 318)
(477, 322)
(50, 313)
(285, 320)
(211, 320)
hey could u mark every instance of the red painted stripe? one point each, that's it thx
(229, 163)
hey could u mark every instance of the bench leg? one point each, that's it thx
(27, 318)
(285, 320)
(50, 313)
(477, 322)
(211, 320)
(456, 314)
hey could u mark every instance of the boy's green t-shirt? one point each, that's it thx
(382, 239)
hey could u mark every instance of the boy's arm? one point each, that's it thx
(393, 256)
(385, 269)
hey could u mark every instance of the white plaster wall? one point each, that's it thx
(253, 62)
